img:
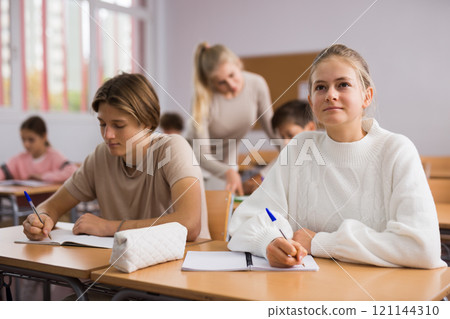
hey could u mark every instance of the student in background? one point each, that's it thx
(171, 123)
(289, 119)
(40, 161)
(133, 190)
(227, 101)
(356, 192)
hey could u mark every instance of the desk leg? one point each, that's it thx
(74, 283)
(46, 291)
(15, 208)
(73, 214)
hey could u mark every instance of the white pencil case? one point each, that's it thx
(139, 248)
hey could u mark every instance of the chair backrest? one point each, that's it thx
(440, 188)
(254, 158)
(439, 166)
(219, 204)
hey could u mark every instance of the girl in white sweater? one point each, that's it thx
(355, 192)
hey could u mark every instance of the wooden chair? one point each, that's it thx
(439, 166)
(220, 205)
(440, 188)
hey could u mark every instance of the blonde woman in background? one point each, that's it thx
(227, 102)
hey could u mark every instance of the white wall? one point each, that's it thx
(405, 42)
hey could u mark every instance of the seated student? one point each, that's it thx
(133, 190)
(355, 192)
(40, 161)
(171, 123)
(289, 119)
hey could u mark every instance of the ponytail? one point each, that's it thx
(202, 91)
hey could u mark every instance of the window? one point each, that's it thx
(68, 48)
(5, 55)
(123, 3)
(115, 49)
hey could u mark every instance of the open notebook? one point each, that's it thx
(62, 236)
(235, 261)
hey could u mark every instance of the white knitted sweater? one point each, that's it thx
(368, 201)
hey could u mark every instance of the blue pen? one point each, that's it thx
(34, 209)
(273, 219)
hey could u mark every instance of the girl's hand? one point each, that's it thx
(93, 225)
(284, 253)
(234, 182)
(304, 236)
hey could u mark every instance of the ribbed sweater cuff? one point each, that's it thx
(264, 238)
(323, 245)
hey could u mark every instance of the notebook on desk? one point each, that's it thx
(240, 199)
(29, 183)
(62, 236)
(237, 261)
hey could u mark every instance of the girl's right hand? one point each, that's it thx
(234, 182)
(284, 253)
(34, 229)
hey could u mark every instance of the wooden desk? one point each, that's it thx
(76, 262)
(440, 173)
(18, 190)
(343, 281)
(62, 264)
(443, 212)
(17, 198)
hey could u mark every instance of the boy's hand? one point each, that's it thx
(34, 229)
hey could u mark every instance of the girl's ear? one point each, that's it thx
(309, 101)
(368, 97)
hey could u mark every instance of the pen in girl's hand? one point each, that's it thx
(273, 219)
(34, 209)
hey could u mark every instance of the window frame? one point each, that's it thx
(17, 62)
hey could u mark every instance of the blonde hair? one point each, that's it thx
(352, 57)
(133, 94)
(206, 60)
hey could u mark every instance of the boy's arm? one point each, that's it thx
(186, 196)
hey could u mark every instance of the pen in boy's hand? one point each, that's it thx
(34, 209)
